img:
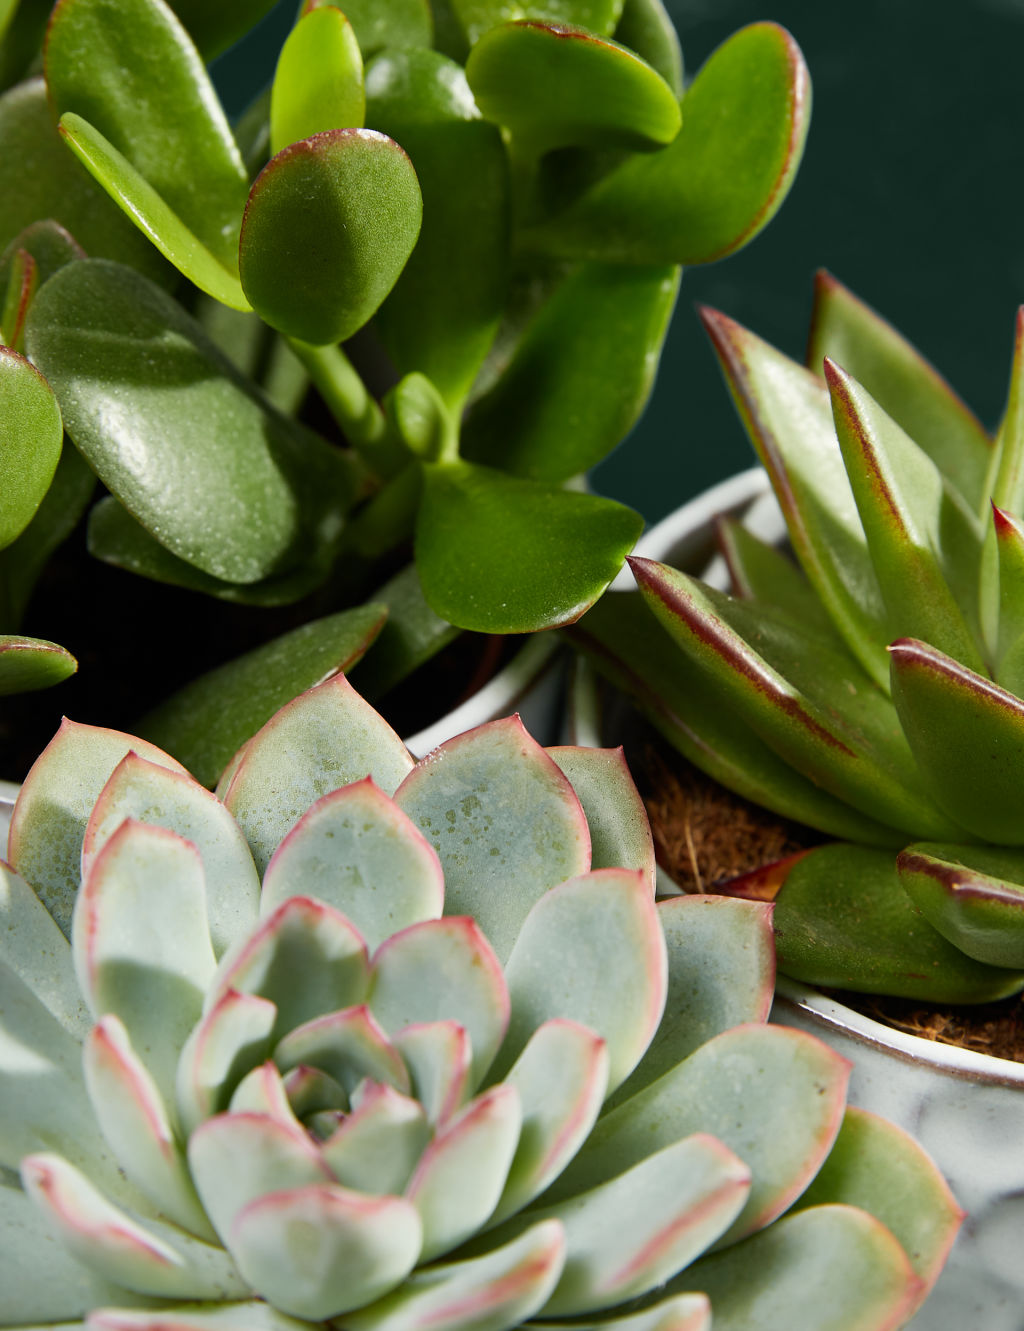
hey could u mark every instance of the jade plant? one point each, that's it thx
(367, 1043)
(499, 209)
(875, 689)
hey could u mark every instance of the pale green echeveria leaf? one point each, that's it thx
(784, 688)
(760, 571)
(566, 368)
(620, 834)
(490, 1293)
(460, 1176)
(53, 807)
(329, 225)
(721, 974)
(305, 958)
(443, 970)
(843, 920)
(39, 954)
(205, 723)
(151, 213)
(596, 16)
(231, 1039)
(56, 517)
(57, 188)
(32, 663)
(903, 383)
(553, 87)
(925, 544)
(830, 1257)
(349, 1045)
(129, 68)
(973, 895)
(646, 27)
(31, 435)
(783, 1127)
(254, 494)
(1008, 533)
(214, 28)
(377, 1146)
(263, 1091)
(583, 945)
(257, 1316)
(159, 797)
(324, 739)
(356, 1248)
(721, 179)
(438, 1056)
(625, 642)
(141, 941)
(681, 1312)
(443, 313)
(393, 23)
(561, 1078)
(501, 554)
(471, 798)
(628, 1235)
(967, 738)
(318, 83)
(344, 848)
(150, 1257)
(876, 1166)
(138, 1127)
(786, 412)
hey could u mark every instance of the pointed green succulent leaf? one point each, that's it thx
(232, 1038)
(438, 1056)
(468, 796)
(785, 410)
(393, 23)
(342, 847)
(376, 1147)
(565, 368)
(50, 817)
(253, 494)
(32, 663)
(552, 86)
(967, 738)
(646, 27)
(596, 16)
(761, 572)
(620, 834)
(129, 68)
(443, 313)
(500, 554)
(973, 895)
(329, 225)
(33, 947)
(205, 723)
(842, 920)
(1007, 487)
(721, 179)
(318, 83)
(875, 1166)
(829, 1257)
(925, 544)
(151, 213)
(903, 384)
(783, 689)
(300, 755)
(1008, 533)
(30, 442)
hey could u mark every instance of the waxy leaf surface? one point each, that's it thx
(646, 27)
(32, 663)
(318, 84)
(394, 23)
(477, 16)
(973, 895)
(30, 442)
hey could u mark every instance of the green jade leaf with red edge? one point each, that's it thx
(32, 663)
(318, 83)
(329, 225)
(30, 443)
(721, 179)
(553, 86)
(596, 16)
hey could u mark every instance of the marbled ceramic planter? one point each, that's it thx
(966, 1108)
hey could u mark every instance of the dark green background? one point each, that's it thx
(910, 193)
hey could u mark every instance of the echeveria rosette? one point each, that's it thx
(873, 692)
(375, 1044)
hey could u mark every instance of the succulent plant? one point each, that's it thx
(499, 209)
(392, 1045)
(875, 691)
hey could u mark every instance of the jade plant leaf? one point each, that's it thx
(973, 895)
(552, 87)
(902, 382)
(30, 442)
(22, 280)
(214, 28)
(646, 27)
(206, 722)
(597, 16)
(571, 393)
(23, 32)
(32, 663)
(252, 495)
(329, 226)
(505, 555)
(721, 179)
(129, 69)
(392, 23)
(49, 244)
(444, 311)
(318, 84)
(57, 187)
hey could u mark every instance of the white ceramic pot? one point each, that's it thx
(965, 1108)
